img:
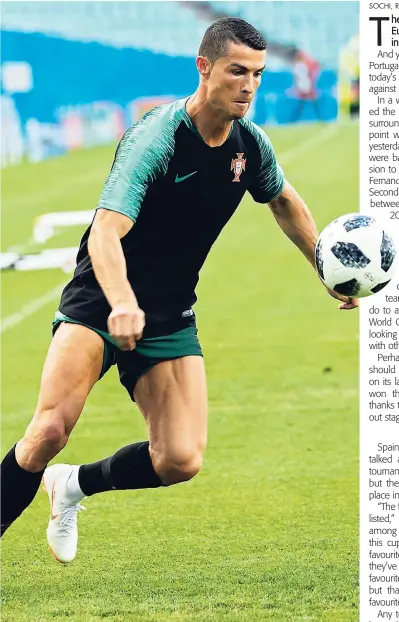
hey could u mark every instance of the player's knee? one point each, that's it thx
(54, 434)
(179, 466)
(45, 436)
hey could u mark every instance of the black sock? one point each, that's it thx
(130, 468)
(18, 489)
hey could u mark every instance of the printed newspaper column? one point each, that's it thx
(379, 319)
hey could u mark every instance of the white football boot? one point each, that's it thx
(62, 530)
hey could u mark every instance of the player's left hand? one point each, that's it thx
(346, 303)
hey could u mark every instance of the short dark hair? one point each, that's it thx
(220, 33)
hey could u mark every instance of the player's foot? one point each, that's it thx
(62, 530)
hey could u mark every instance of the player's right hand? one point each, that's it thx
(125, 324)
(347, 303)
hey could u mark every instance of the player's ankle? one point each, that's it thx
(72, 485)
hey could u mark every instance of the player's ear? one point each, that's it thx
(203, 66)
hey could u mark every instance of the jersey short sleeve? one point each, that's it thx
(142, 156)
(269, 182)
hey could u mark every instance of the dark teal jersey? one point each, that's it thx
(179, 192)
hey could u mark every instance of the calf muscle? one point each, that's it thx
(172, 396)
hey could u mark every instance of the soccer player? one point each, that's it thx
(178, 176)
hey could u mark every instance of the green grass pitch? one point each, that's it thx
(269, 529)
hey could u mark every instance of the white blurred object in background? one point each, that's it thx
(47, 225)
(12, 140)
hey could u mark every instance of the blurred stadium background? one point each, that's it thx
(109, 62)
(269, 530)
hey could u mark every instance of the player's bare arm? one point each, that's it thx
(126, 321)
(295, 219)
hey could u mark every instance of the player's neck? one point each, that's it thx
(213, 128)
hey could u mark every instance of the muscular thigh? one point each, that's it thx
(73, 365)
(173, 399)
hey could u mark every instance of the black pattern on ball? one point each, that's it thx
(358, 221)
(319, 259)
(379, 287)
(349, 288)
(350, 255)
(388, 252)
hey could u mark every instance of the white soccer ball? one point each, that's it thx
(355, 255)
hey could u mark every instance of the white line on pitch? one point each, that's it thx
(55, 193)
(309, 144)
(35, 305)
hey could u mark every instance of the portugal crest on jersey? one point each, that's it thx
(238, 166)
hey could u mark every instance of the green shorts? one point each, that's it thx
(149, 351)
